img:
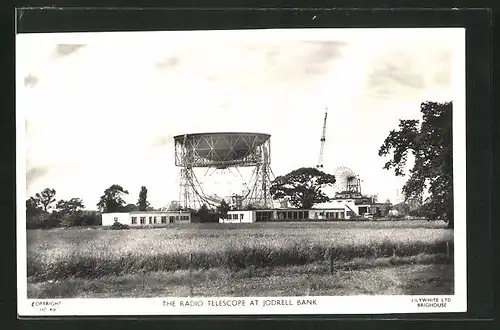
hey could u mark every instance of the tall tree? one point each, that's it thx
(143, 199)
(46, 198)
(203, 213)
(303, 187)
(71, 206)
(430, 142)
(223, 208)
(112, 200)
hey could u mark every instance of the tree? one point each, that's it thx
(71, 206)
(430, 142)
(222, 209)
(143, 199)
(46, 197)
(33, 207)
(303, 187)
(112, 200)
(174, 206)
(130, 208)
(386, 208)
(203, 211)
(35, 214)
(403, 208)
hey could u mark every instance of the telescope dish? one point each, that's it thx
(221, 156)
(346, 180)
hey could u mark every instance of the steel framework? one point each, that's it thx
(223, 152)
(347, 180)
(323, 139)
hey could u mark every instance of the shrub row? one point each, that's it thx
(88, 266)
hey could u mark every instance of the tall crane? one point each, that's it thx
(323, 139)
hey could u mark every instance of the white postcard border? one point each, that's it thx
(322, 304)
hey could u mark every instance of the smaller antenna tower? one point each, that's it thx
(323, 139)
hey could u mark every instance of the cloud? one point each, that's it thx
(394, 74)
(67, 49)
(326, 50)
(443, 76)
(299, 60)
(30, 80)
(36, 173)
(169, 62)
(409, 68)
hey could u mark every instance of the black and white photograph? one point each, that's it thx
(292, 171)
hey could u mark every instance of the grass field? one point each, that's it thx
(260, 259)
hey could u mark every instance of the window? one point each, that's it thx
(171, 218)
(143, 220)
(154, 219)
(150, 220)
(134, 220)
(177, 218)
(241, 216)
(263, 215)
(235, 217)
(163, 219)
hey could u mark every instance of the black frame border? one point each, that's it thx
(478, 102)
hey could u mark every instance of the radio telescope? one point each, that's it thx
(346, 181)
(242, 160)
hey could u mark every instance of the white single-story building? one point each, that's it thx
(340, 208)
(238, 217)
(143, 218)
(351, 206)
(283, 215)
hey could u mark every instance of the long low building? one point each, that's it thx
(283, 215)
(337, 209)
(146, 218)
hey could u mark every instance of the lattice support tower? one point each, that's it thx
(219, 152)
(323, 140)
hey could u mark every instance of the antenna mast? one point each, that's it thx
(323, 139)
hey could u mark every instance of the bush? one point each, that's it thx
(42, 220)
(118, 226)
(46, 220)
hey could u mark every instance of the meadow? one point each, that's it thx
(389, 257)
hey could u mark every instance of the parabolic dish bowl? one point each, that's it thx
(220, 149)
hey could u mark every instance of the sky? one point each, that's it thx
(102, 108)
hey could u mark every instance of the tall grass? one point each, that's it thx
(83, 253)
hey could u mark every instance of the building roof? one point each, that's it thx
(290, 209)
(158, 212)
